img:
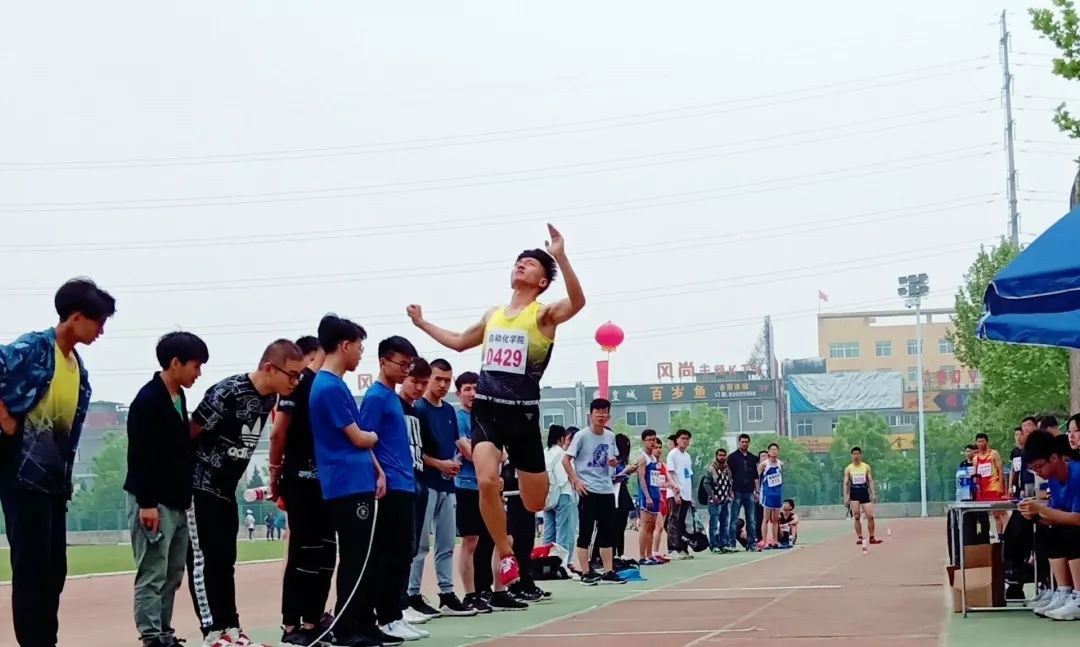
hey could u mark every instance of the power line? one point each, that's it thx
(643, 294)
(632, 335)
(457, 225)
(496, 135)
(360, 191)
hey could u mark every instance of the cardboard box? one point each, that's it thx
(985, 577)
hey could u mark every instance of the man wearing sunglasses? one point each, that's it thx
(227, 425)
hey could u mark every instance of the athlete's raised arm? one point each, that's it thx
(472, 337)
(563, 310)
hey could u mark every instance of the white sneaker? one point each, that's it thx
(398, 629)
(1068, 611)
(1060, 599)
(1043, 598)
(414, 617)
(423, 633)
(217, 639)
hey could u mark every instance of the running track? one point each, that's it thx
(818, 593)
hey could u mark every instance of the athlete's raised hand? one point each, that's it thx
(555, 246)
(415, 312)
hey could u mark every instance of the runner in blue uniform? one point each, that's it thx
(772, 496)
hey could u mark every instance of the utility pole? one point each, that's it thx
(1010, 135)
(913, 288)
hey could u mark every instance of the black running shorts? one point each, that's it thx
(860, 495)
(469, 521)
(515, 428)
(1063, 542)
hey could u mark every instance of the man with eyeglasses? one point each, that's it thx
(227, 425)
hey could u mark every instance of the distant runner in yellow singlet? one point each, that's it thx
(860, 494)
(517, 341)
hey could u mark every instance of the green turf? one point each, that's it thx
(570, 597)
(85, 560)
(1011, 628)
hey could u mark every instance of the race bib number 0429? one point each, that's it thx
(505, 351)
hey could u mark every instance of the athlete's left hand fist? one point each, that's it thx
(415, 312)
(555, 246)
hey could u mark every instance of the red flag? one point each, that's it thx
(822, 296)
(602, 377)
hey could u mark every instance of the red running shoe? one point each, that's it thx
(508, 570)
(875, 541)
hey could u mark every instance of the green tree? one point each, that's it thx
(1017, 380)
(1061, 26)
(945, 443)
(708, 426)
(102, 504)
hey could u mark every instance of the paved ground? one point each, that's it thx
(824, 591)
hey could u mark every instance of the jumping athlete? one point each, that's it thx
(517, 341)
(860, 494)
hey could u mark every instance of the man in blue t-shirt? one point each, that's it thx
(439, 436)
(381, 412)
(1051, 458)
(351, 481)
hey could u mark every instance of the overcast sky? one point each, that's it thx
(239, 169)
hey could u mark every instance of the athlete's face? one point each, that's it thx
(440, 382)
(774, 451)
(744, 444)
(683, 442)
(721, 457)
(856, 456)
(528, 272)
(788, 507)
(969, 454)
(981, 444)
(1027, 427)
(466, 395)
(413, 388)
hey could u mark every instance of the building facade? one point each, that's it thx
(885, 341)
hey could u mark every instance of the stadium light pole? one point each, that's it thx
(913, 288)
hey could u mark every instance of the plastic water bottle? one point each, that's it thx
(865, 550)
(257, 494)
(963, 485)
(888, 533)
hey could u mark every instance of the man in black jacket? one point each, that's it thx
(160, 464)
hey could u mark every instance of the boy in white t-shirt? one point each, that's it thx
(680, 467)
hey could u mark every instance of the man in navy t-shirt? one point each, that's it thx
(439, 436)
(350, 479)
(1051, 458)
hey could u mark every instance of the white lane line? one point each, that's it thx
(621, 633)
(813, 587)
(91, 576)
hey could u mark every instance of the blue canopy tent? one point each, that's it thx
(1036, 298)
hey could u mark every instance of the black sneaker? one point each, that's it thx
(353, 639)
(474, 601)
(503, 601)
(299, 636)
(592, 578)
(451, 606)
(418, 604)
(611, 577)
(526, 594)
